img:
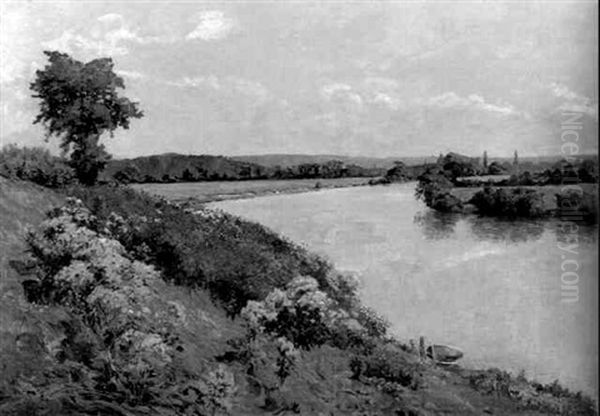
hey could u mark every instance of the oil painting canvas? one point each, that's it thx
(336, 207)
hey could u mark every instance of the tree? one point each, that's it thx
(485, 159)
(516, 159)
(79, 102)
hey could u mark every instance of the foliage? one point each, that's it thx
(375, 325)
(387, 364)
(79, 102)
(455, 165)
(577, 203)
(127, 340)
(302, 314)
(434, 188)
(286, 360)
(239, 260)
(35, 164)
(550, 399)
(496, 168)
(509, 202)
(191, 168)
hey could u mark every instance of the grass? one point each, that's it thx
(34, 382)
(216, 191)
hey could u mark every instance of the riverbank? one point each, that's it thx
(211, 266)
(548, 194)
(192, 194)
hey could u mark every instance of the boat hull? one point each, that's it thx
(444, 353)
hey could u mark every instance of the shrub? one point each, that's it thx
(434, 188)
(375, 324)
(35, 164)
(302, 314)
(127, 340)
(574, 203)
(236, 260)
(387, 364)
(512, 203)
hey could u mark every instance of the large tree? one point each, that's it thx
(79, 103)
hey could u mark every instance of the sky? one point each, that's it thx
(353, 78)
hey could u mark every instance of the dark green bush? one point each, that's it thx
(509, 202)
(434, 188)
(387, 364)
(574, 203)
(35, 164)
(236, 260)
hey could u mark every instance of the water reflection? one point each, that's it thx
(495, 229)
(437, 226)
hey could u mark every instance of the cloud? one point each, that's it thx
(339, 90)
(110, 18)
(110, 38)
(196, 82)
(228, 84)
(130, 74)
(590, 110)
(385, 99)
(453, 100)
(562, 91)
(213, 25)
(573, 101)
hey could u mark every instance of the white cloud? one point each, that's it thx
(212, 25)
(385, 99)
(111, 18)
(590, 110)
(331, 91)
(573, 101)
(110, 39)
(562, 91)
(130, 74)
(453, 100)
(228, 84)
(195, 82)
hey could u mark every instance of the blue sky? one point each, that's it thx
(356, 78)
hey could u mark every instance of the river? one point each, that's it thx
(491, 287)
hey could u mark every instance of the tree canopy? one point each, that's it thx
(80, 102)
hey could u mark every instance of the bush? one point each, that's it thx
(235, 260)
(434, 188)
(302, 314)
(574, 203)
(512, 203)
(127, 338)
(387, 364)
(35, 164)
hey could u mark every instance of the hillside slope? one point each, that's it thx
(49, 359)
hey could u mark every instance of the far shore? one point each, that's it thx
(192, 194)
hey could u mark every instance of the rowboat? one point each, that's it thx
(444, 354)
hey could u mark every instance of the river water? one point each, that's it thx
(490, 287)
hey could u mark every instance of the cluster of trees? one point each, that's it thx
(509, 202)
(186, 168)
(35, 164)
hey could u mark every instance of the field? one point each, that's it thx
(218, 191)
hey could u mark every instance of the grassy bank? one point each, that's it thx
(227, 318)
(201, 192)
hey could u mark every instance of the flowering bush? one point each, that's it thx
(302, 313)
(133, 333)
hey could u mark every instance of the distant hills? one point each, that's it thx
(173, 167)
(286, 160)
